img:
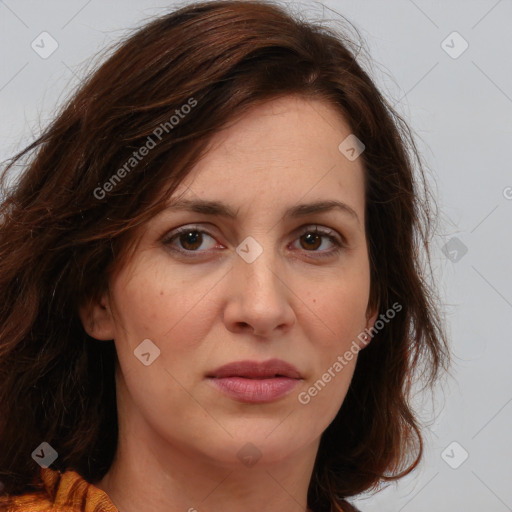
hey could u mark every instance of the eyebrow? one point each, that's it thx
(222, 210)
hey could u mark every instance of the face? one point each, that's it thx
(275, 282)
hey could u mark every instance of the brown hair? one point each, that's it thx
(67, 223)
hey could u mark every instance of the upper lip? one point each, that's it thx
(257, 370)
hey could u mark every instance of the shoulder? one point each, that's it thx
(65, 492)
(31, 501)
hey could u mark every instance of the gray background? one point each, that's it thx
(461, 111)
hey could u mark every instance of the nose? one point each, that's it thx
(259, 297)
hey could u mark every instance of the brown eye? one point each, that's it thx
(191, 240)
(312, 240)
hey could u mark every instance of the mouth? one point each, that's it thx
(256, 370)
(255, 382)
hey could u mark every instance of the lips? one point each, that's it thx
(255, 382)
(257, 370)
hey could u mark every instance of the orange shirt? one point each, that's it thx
(64, 492)
(69, 492)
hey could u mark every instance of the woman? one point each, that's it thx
(213, 291)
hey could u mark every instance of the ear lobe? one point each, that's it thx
(97, 319)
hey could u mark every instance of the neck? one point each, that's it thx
(152, 473)
(141, 481)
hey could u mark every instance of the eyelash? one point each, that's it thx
(325, 233)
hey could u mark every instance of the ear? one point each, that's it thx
(371, 317)
(97, 319)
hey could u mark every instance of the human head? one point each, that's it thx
(233, 56)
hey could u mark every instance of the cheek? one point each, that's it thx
(337, 317)
(160, 303)
(337, 310)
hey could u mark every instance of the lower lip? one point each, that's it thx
(255, 390)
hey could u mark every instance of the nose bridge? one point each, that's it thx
(261, 299)
(257, 263)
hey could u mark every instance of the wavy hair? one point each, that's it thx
(69, 219)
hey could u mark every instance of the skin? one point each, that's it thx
(178, 435)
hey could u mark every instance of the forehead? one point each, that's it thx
(281, 152)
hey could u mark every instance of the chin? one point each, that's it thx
(263, 447)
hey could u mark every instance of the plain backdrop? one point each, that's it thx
(447, 68)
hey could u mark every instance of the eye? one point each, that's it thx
(311, 238)
(188, 238)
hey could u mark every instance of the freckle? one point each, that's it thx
(161, 292)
